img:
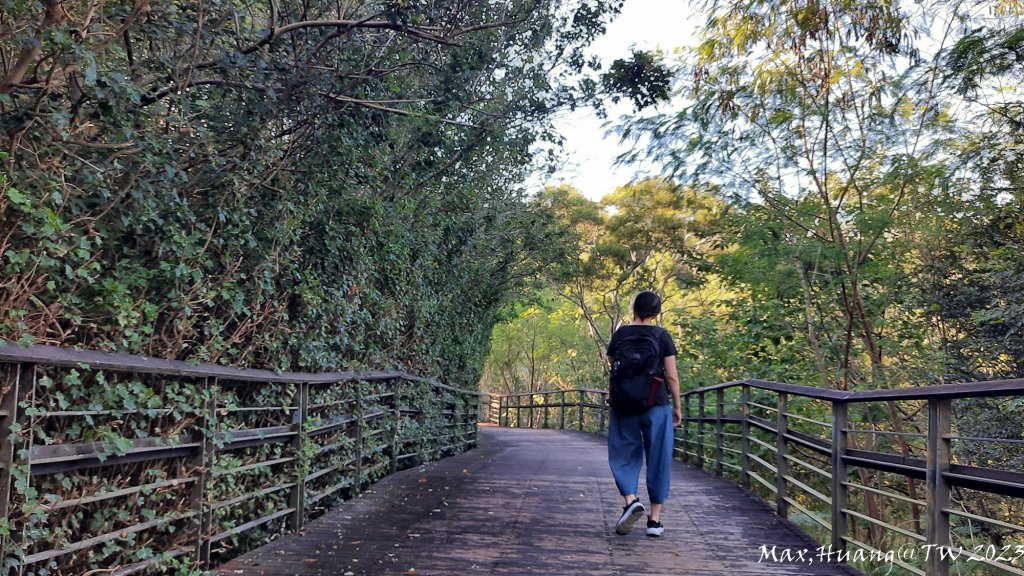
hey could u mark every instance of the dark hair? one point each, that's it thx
(647, 304)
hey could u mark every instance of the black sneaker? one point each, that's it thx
(630, 514)
(654, 527)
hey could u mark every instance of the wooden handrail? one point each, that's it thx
(984, 389)
(116, 362)
(549, 392)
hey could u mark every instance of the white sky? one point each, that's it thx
(590, 153)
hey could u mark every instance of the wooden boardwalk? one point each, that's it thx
(533, 502)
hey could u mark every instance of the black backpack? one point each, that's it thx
(637, 374)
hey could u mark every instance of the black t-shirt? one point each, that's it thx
(668, 347)
(665, 344)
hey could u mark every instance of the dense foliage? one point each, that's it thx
(292, 185)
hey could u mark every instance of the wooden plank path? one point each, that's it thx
(532, 502)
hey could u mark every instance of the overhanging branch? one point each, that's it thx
(379, 105)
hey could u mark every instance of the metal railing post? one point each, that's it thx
(781, 468)
(719, 409)
(358, 412)
(396, 399)
(583, 400)
(700, 431)
(745, 437)
(18, 384)
(937, 534)
(562, 425)
(532, 404)
(545, 399)
(474, 423)
(840, 423)
(202, 466)
(296, 497)
(421, 436)
(9, 395)
(685, 400)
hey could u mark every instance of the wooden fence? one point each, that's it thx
(887, 478)
(116, 464)
(577, 408)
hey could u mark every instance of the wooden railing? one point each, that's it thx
(884, 479)
(577, 408)
(852, 465)
(118, 464)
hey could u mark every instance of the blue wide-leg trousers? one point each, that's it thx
(635, 438)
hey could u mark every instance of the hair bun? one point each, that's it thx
(646, 305)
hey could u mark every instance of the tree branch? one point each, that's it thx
(156, 96)
(346, 26)
(376, 105)
(53, 15)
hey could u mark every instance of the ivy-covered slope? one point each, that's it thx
(296, 185)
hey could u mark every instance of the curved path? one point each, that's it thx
(534, 502)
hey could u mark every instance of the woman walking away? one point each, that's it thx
(643, 373)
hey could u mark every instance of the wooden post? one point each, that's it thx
(840, 423)
(28, 377)
(296, 497)
(603, 402)
(451, 406)
(685, 400)
(10, 379)
(545, 397)
(745, 437)
(562, 425)
(474, 422)
(937, 534)
(700, 431)
(719, 408)
(202, 466)
(463, 427)
(421, 420)
(358, 410)
(397, 413)
(532, 403)
(583, 400)
(781, 426)
(17, 383)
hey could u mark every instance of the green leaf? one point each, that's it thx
(18, 199)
